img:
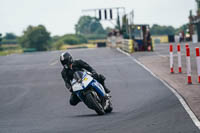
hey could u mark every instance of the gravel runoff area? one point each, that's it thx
(158, 63)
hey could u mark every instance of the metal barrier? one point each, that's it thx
(160, 39)
(127, 45)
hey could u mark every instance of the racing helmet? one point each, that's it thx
(66, 59)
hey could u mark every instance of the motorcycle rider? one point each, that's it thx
(70, 66)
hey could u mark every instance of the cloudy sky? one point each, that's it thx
(60, 16)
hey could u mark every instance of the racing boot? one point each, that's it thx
(102, 81)
(106, 89)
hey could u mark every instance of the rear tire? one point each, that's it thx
(94, 104)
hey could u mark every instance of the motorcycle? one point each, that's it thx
(91, 92)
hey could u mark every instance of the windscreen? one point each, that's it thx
(78, 75)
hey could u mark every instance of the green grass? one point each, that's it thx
(66, 46)
(10, 49)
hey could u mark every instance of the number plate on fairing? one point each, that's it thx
(86, 80)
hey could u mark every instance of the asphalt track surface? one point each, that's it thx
(33, 98)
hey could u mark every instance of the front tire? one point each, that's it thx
(94, 103)
(109, 108)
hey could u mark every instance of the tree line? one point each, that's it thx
(167, 30)
(87, 28)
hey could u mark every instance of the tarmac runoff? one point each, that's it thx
(180, 98)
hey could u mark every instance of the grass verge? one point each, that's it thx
(10, 49)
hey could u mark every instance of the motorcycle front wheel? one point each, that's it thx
(110, 108)
(94, 103)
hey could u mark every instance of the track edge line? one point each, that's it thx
(181, 100)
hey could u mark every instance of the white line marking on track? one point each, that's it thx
(54, 62)
(182, 101)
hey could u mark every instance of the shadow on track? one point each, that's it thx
(93, 115)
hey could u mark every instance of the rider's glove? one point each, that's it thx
(95, 75)
(70, 89)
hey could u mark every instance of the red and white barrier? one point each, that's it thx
(171, 58)
(179, 58)
(188, 64)
(186, 45)
(198, 63)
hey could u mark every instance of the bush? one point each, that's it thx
(10, 41)
(10, 47)
(58, 45)
(162, 30)
(95, 36)
(36, 37)
(73, 39)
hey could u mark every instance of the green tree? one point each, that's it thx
(10, 36)
(0, 39)
(183, 28)
(55, 38)
(73, 39)
(57, 45)
(89, 25)
(35, 37)
(162, 30)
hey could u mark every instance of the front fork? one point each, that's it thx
(98, 88)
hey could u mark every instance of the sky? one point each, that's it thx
(60, 16)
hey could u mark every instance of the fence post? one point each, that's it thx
(188, 64)
(171, 58)
(198, 62)
(179, 58)
(186, 45)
